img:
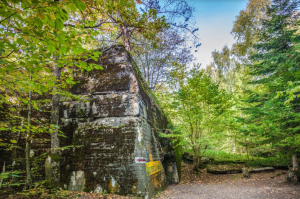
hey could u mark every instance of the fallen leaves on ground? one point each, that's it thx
(72, 195)
(205, 185)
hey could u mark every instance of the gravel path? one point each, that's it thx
(231, 186)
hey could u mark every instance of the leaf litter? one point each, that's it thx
(230, 186)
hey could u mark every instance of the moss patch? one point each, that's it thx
(178, 157)
(55, 157)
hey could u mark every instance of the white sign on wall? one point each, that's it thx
(140, 160)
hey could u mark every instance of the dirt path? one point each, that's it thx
(231, 186)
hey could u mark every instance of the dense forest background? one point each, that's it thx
(244, 105)
(246, 101)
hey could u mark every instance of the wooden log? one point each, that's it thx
(263, 169)
(231, 171)
(225, 169)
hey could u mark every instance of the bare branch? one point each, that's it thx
(186, 29)
(8, 17)
(8, 54)
(96, 26)
(116, 40)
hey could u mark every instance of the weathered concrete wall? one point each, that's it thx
(117, 125)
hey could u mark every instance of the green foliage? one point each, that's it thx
(40, 192)
(10, 175)
(34, 38)
(269, 116)
(178, 156)
(270, 161)
(223, 155)
(246, 28)
(196, 110)
(55, 157)
(261, 73)
(39, 37)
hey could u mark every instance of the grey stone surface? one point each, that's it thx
(117, 121)
(114, 120)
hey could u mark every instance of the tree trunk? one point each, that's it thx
(55, 156)
(247, 152)
(293, 175)
(3, 171)
(295, 162)
(246, 173)
(196, 160)
(125, 34)
(28, 182)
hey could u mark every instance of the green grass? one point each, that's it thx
(270, 161)
(221, 156)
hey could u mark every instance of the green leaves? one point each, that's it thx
(195, 109)
(58, 24)
(51, 48)
(38, 22)
(2, 46)
(20, 41)
(34, 41)
(62, 50)
(13, 141)
(80, 5)
(50, 83)
(83, 64)
(5, 2)
(266, 115)
(72, 7)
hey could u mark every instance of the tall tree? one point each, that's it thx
(156, 61)
(36, 35)
(247, 26)
(276, 63)
(121, 18)
(231, 75)
(28, 140)
(32, 34)
(196, 109)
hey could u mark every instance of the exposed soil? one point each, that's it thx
(270, 185)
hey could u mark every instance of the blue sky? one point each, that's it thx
(215, 19)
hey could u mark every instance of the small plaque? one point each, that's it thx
(153, 167)
(140, 160)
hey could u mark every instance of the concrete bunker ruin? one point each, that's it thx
(115, 128)
(118, 131)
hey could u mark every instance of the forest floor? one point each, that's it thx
(231, 186)
(270, 185)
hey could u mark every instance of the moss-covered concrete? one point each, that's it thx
(123, 121)
(114, 120)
